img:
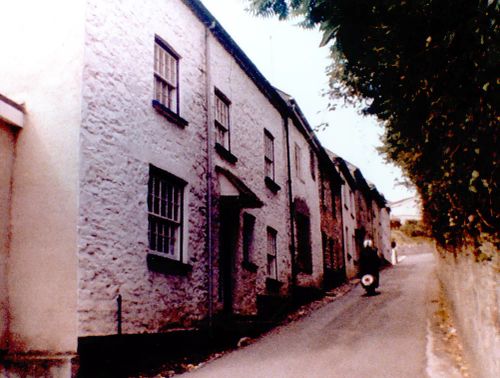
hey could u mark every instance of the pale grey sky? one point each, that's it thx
(291, 59)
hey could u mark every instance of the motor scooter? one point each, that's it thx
(368, 282)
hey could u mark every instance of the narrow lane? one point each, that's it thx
(355, 336)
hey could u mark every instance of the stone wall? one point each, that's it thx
(122, 134)
(331, 226)
(474, 294)
(250, 114)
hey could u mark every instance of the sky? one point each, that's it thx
(291, 59)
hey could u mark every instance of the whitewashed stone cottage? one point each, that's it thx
(159, 180)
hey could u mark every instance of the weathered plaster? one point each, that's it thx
(7, 143)
(43, 65)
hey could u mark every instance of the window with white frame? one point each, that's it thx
(269, 154)
(272, 262)
(165, 213)
(166, 76)
(222, 120)
(298, 161)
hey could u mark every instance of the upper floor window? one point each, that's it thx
(165, 213)
(312, 161)
(166, 76)
(269, 154)
(272, 262)
(222, 120)
(298, 161)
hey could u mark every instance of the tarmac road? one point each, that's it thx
(354, 336)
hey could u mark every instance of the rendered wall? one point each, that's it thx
(7, 140)
(474, 293)
(42, 53)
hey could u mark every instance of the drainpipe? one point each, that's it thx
(342, 230)
(209, 105)
(291, 206)
(119, 314)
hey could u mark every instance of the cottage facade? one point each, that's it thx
(168, 185)
(330, 187)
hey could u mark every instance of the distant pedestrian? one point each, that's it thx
(394, 253)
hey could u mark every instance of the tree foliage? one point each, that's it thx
(430, 71)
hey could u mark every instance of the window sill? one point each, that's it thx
(169, 114)
(271, 185)
(161, 264)
(250, 266)
(225, 154)
(273, 286)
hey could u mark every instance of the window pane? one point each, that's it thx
(269, 169)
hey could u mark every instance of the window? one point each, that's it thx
(298, 163)
(312, 162)
(272, 262)
(165, 209)
(222, 120)
(269, 154)
(248, 237)
(323, 183)
(166, 75)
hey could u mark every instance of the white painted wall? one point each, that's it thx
(42, 55)
(306, 188)
(251, 113)
(7, 141)
(121, 135)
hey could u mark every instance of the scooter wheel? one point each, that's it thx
(367, 280)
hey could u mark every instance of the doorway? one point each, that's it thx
(228, 239)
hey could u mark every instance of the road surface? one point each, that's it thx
(354, 336)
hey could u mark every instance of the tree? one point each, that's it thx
(429, 70)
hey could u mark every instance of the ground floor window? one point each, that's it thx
(272, 262)
(165, 213)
